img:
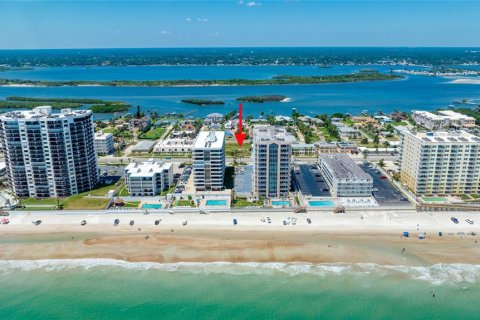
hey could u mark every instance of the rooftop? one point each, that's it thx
(455, 115)
(460, 136)
(210, 140)
(100, 135)
(342, 167)
(44, 112)
(266, 133)
(145, 145)
(147, 168)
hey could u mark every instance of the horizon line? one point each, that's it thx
(249, 47)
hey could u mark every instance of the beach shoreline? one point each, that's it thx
(360, 237)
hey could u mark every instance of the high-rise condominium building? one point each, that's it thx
(441, 162)
(208, 154)
(272, 153)
(49, 154)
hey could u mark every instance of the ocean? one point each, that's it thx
(412, 92)
(111, 289)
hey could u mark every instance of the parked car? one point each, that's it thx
(383, 177)
(455, 220)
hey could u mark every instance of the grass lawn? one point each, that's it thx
(241, 202)
(79, 202)
(152, 134)
(131, 204)
(108, 130)
(33, 201)
(184, 203)
(327, 135)
(398, 123)
(75, 202)
(244, 151)
(349, 122)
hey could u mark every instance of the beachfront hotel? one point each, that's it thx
(444, 119)
(441, 162)
(104, 143)
(148, 178)
(272, 152)
(208, 153)
(49, 154)
(344, 177)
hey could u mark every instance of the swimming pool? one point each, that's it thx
(321, 203)
(152, 206)
(216, 203)
(281, 203)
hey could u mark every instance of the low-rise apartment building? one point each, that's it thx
(148, 178)
(104, 143)
(445, 119)
(344, 177)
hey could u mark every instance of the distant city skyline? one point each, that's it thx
(157, 24)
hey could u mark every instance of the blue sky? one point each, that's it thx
(114, 24)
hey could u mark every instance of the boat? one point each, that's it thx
(406, 234)
(132, 222)
(157, 222)
(4, 221)
(84, 222)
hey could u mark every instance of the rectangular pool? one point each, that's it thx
(280, 203)
(216, 203)
(321, 203)
(152, 206)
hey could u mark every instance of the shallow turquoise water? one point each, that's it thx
(107, 289)
(321, 203)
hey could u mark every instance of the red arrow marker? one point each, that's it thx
(240, 136)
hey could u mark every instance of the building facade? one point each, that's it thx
(49, 154)
(272, 152)
(445, 119)
(208, 155)
(441, 162)
(104, 143)
(344, 177)
(148, 178)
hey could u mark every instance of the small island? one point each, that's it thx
(369, 75)
(262, 99)
(203, 102)
(96, 105)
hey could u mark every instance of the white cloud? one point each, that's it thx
(253, 4)
(165, 32)
(202, 19)
(188, 19)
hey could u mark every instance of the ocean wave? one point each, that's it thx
(436, 274)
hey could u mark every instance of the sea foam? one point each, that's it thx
(436, 274)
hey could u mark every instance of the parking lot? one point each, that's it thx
(182, 179)
(310, 182)
(383, 191)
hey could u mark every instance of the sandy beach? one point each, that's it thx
(465, 81)
(358, 237)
